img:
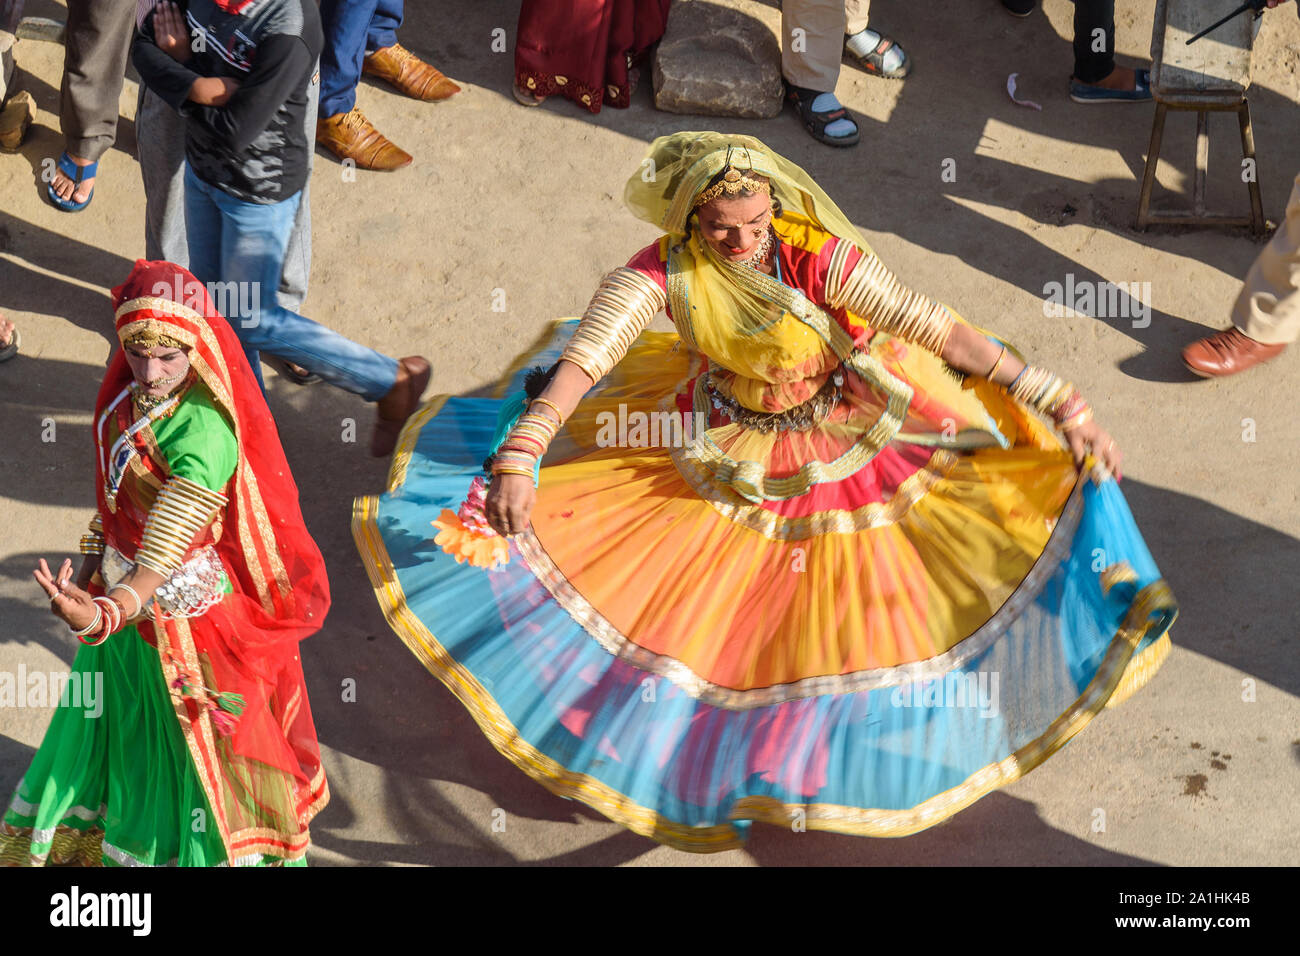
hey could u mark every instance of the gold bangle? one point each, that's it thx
(180, 512)
(997, 365)
(546, 401)
(871, 291)
(624, 304)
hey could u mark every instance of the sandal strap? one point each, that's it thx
(814, 120)
(73, 171)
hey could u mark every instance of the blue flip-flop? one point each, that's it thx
(1082, 93)
(76, 174)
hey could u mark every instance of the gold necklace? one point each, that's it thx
(146, 403)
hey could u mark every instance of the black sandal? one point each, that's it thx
(873, 62)
(294, 373)
(815, 123)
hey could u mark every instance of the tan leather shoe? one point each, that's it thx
(408, 73)
(350, 136)
(1226, 353)
(399, 404)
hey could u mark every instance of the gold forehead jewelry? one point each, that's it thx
(733, 182)
(149, 337)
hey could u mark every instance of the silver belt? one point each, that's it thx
(195, 586)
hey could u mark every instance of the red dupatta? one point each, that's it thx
(263, 777)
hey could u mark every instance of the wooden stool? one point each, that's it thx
(1211, 75)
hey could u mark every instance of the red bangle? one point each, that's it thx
(99, 636)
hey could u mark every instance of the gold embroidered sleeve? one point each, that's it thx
(873, 292)
(181, 511)
(624, 304)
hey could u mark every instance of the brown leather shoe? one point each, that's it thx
(350, 136)
(399, 404)
(408, 73)
(1226, 353)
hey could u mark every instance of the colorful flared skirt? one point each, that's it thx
(113, 782)
(868, 658)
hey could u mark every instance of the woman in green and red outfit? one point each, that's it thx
(198, 581)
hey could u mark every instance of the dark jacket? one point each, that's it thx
(255, 147)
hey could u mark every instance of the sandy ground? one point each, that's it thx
(528, 201)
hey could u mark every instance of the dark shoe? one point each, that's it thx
(1227, 353)
(350, 136)
(820, 112)
(399, 404)
(1086, 93)
(10, 348)
(294, 373)
(1019, 8)
(408, 74)
(878, 54)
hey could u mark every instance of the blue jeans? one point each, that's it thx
(237, 250)
(353, 28)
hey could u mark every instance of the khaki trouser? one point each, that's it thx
(1268, 308)
(811, 58)
(94, 65)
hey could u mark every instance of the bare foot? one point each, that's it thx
(1121, 78)
(527, 97)
(66, 189)
(6, 332)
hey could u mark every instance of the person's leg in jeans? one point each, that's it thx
(253, 240)
(204, 241)
(384, 22)
(347, 28)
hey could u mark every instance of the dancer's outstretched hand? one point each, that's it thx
(510, 500)
(1092, 437)
(67, 601)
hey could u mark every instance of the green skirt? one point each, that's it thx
(113, 782)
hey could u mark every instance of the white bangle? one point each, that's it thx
(139, 605)
(99, 619)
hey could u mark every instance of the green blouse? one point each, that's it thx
(198, 440)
